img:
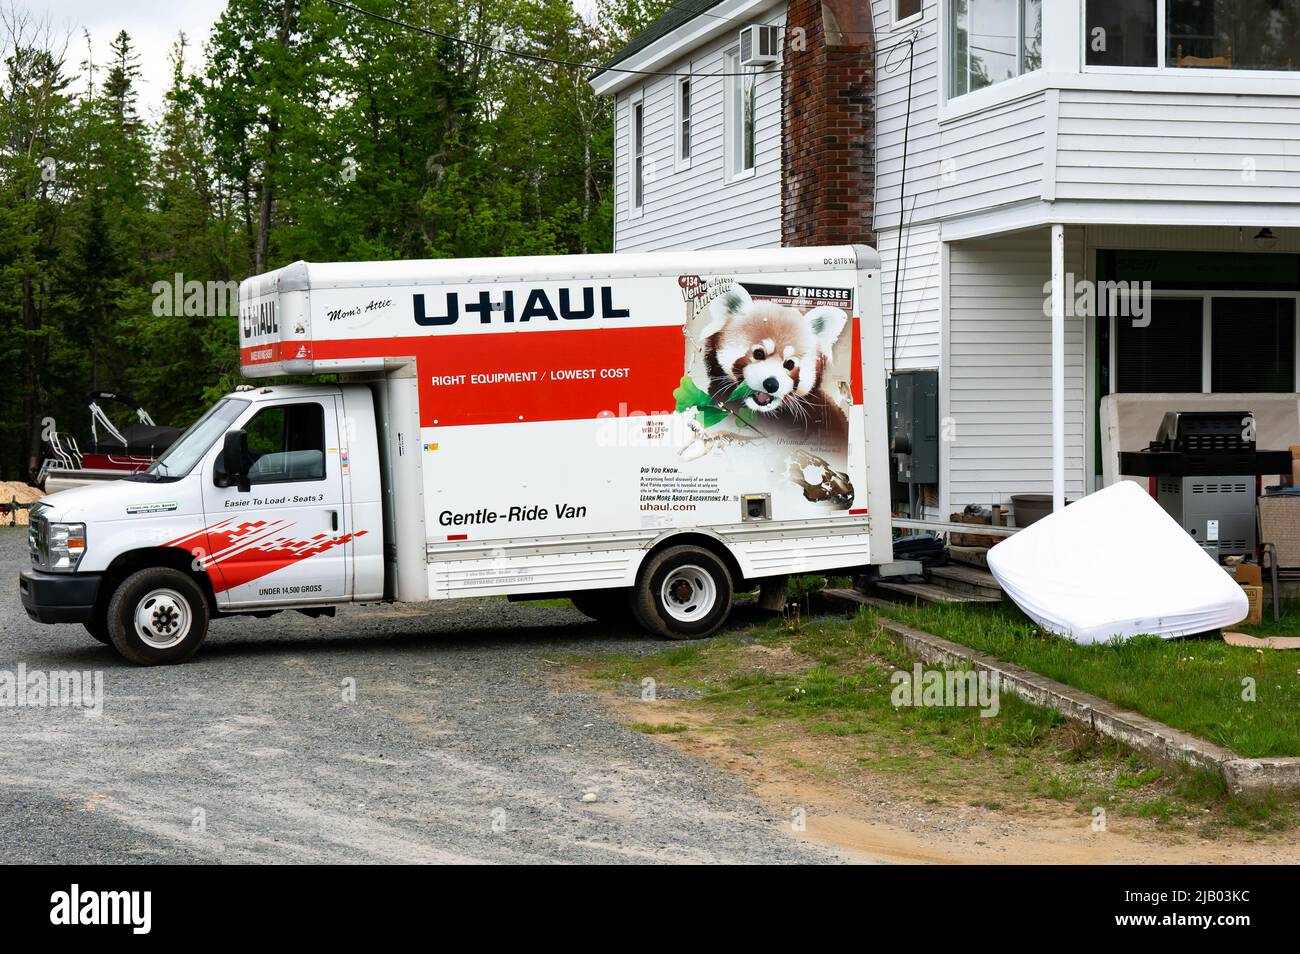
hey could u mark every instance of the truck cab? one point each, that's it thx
(270, 501)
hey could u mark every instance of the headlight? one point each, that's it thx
(67, 545)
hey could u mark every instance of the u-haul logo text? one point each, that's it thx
(260, 320)
(569, 305)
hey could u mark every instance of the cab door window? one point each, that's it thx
(287, 442)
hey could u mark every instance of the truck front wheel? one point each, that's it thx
(682, 593)
(157, 617)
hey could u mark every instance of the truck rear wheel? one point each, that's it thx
(158, 617)
(604, 606)
(682, 593)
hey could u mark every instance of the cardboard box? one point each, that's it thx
(1249, 574)
(1255, 596)
(1279, 524)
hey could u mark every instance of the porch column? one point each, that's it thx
(1058, 367)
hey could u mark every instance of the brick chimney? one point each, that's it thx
(828, 124)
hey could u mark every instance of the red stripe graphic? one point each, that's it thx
(251, 550)
(855, 363)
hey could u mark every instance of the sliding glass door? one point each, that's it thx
(1213, 342)
(1162, 351)
(1252, 344)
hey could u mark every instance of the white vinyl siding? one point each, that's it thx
(992, 158)
(1000, 373)
(694, 206)
(1178, 147)
(923, 151)
(918, 297)
(986, 160)
(919, 291)
(981, 161)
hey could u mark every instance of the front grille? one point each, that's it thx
(38, 539)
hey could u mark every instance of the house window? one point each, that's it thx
(906, 9)
(992, 41)
(1233, 34)
(638, 156)
(1194, 34)
(1251, 345)
(741, 84)
(684, 119)
(1121, 33)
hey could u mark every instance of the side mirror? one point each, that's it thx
(234, 460)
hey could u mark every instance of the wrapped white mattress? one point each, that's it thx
(1114, 564)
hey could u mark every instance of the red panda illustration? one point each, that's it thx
(781, 355)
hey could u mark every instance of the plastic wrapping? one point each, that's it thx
(1115, 565)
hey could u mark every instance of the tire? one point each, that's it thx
(604, 606)
(158, 617)
(682, 592)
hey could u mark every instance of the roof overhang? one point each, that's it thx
(728, 16)
(1026, 216)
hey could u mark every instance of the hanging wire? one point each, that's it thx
(900, 247)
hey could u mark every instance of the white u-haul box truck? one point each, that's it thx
(646, 434)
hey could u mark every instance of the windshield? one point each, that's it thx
(181, 457)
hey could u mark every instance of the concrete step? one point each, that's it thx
(965, 579)
(930, 593)
(858, 597)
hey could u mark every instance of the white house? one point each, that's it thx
(1083, 141)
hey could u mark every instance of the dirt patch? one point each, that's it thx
(886, 818)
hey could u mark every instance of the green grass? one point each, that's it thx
(665, 728)
(821, 688)
(1198, 685)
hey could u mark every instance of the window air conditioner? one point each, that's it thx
(759, 45)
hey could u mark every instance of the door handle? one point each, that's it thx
(334, 520)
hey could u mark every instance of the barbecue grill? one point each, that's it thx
(1204, 469)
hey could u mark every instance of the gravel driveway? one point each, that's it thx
(456, 748)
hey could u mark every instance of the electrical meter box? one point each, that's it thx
(914, 425)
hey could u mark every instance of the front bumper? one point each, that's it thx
(59, 597)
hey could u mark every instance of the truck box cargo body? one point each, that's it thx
(642, 432)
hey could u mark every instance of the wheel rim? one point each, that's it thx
(688, 594)
(162, 618)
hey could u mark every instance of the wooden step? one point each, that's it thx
(965, 579)
(931, 593)
(970, 556)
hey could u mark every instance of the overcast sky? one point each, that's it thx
(153, 25)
